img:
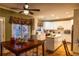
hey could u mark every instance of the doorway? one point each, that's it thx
(2, 29)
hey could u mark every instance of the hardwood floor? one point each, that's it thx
(59, 52)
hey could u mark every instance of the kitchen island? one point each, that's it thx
(53, 42)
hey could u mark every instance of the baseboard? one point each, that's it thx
(75, 52)
(69, 42)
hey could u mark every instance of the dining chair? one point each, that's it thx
(3, 51)
(66, 48)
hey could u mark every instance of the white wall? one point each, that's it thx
(55, 25)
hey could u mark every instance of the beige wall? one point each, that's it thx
(35, 25)
(76, 31)
(6, 14)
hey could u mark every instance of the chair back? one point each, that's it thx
(66, 48)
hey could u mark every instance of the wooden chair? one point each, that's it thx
(66, 49)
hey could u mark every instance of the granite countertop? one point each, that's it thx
(54, 36)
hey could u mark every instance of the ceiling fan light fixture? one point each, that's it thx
(26, 6)
(26, 12)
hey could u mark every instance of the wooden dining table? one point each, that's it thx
(17, 49)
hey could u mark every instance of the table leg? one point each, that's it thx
(37, 51)
(17, 54)
(43, 49)
(1, 49)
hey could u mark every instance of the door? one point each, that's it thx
(2, 29)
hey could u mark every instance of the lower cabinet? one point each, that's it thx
(53, 43)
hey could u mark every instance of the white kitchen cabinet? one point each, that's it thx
(53, 43)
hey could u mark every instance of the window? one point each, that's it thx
(20, 31)
(54, 25)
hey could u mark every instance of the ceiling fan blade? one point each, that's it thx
(29, 8)
(33, 9)
(31, 12)
(21, 12)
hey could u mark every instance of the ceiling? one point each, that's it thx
(48, 11)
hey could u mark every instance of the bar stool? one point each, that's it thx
(66, 48)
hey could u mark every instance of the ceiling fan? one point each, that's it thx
(26, 10)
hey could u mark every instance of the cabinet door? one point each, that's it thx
(50, 44)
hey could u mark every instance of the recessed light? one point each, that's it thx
(67, 12)
(1, 19)
(40, 16)
(70, 15)
(53, 15)
(57, 17)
